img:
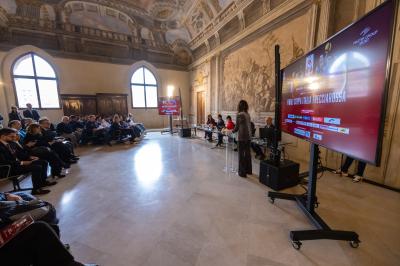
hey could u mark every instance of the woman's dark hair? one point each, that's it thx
(220, 116)
(229, 117)
(243, 106)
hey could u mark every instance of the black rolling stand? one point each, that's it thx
(307, 204)
(171, 128)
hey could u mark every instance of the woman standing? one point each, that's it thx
(243, 129)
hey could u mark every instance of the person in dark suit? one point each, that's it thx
(64, 149)
(37, 141)
(14, 114)
(64, 129)
(31, 113)
(243, 129)
(256, 148)
(220, 126)
(34, 145)
(22, 163)
(76, 124)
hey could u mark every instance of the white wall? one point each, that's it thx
(87, 77)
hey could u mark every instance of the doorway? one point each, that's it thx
(201, 106)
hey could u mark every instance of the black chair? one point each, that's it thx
(5, 171)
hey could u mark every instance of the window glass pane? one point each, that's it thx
(24, 66)
(149, 77)
(151, 96)
(138, 96)
(43, 69)
(138, 76)
(48, 93)
(26, 92)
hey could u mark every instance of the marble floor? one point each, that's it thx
(168, 201)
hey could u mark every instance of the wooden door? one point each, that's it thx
(201, 107)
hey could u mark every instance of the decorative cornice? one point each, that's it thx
(218, 22)
(275, 16)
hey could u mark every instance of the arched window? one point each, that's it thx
(35, 82)
(144, 89)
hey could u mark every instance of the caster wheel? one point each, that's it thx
(354, 244)
(296, 245)
(272, 200)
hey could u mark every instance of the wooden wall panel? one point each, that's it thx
(110, 104)
(79, 104)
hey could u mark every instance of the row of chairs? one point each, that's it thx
(5, 176)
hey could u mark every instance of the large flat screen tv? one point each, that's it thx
(335, 95)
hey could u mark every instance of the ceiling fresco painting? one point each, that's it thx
(163, 24)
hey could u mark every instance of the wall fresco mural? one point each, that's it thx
(248, 72)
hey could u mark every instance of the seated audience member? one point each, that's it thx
(15, 205)
(211, 124)
(31, 113)
(64, 129)
(17, 125)
(220, 125)
(76, 124)
(37, 245)
(22, 164)
(138, 128)
(132, 122)
(345, 168)
(117, 126)
(27, 122)
(228, 129)
(64, 149)
(36, 146)
(93, 130)
(103, 122)
(256, 148)
(35, 138)
(14, 115)
(229, 123)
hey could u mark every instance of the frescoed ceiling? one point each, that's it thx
(184, 18)
(179, 20)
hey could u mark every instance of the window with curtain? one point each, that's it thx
(144, 89)
(35, 82)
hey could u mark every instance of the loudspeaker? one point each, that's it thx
(281, 176)
(185, 132)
